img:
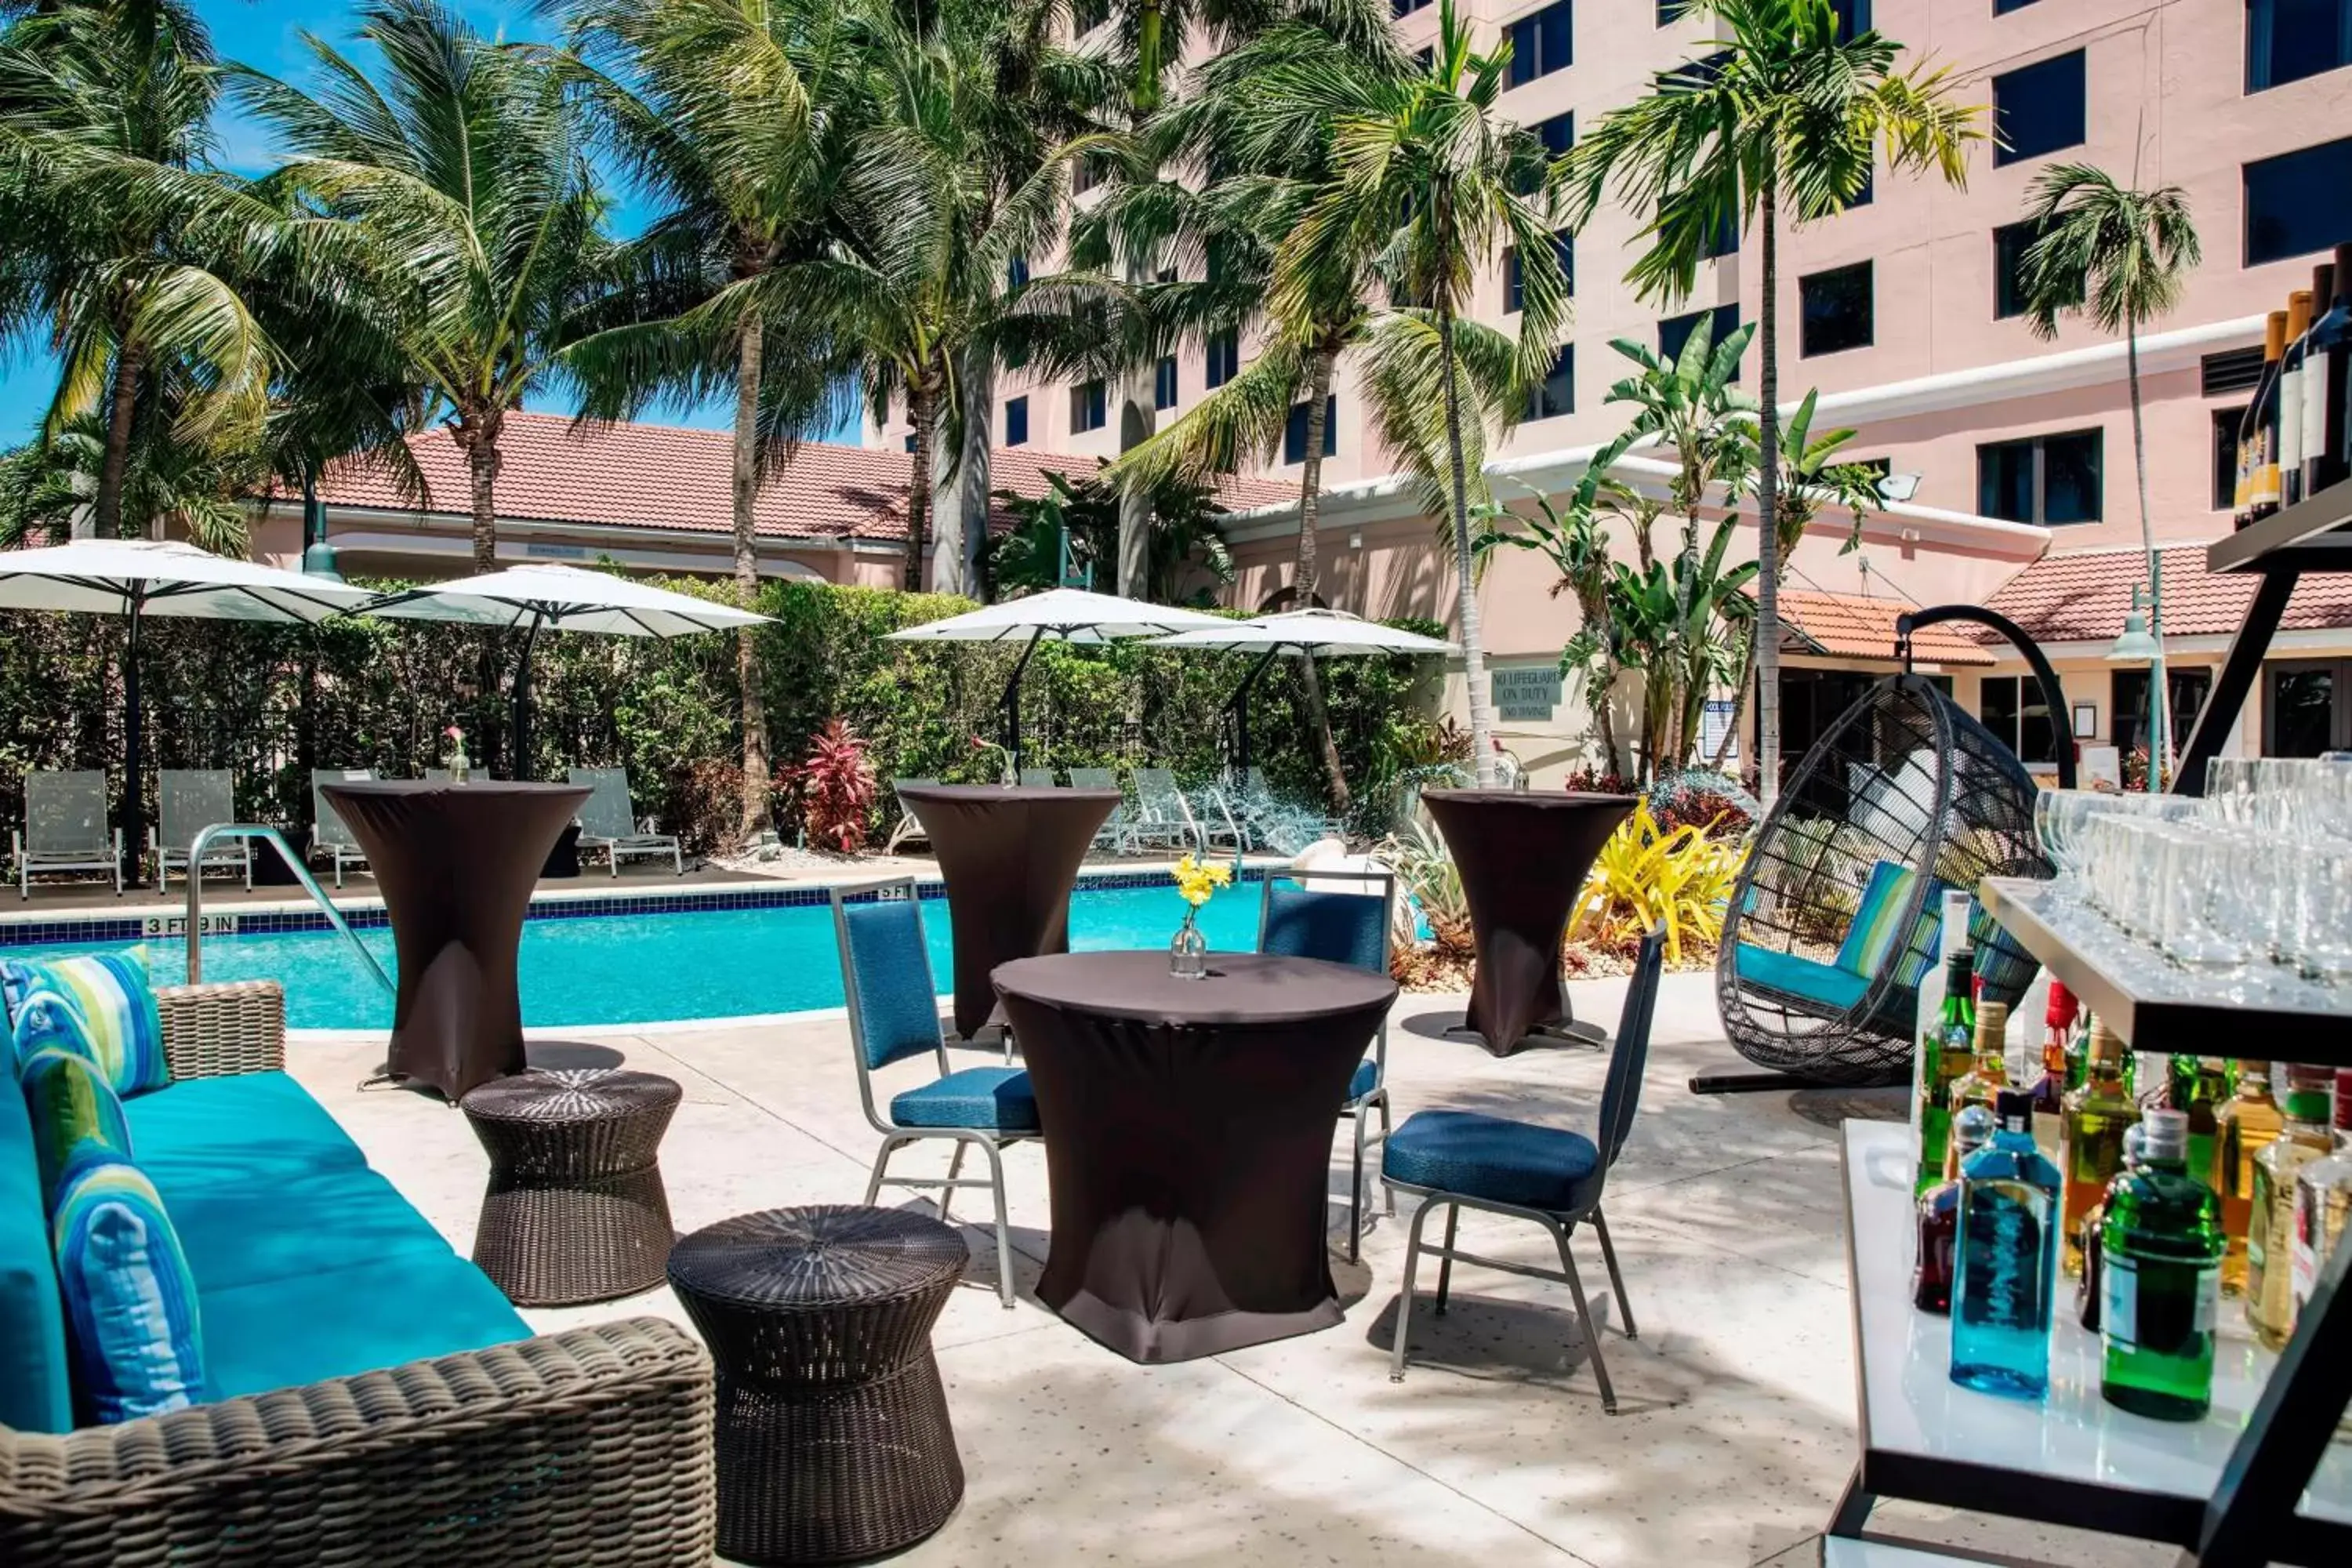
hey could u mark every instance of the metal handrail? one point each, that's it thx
(195, 934)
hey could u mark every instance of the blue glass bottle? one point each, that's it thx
(2005, 1261)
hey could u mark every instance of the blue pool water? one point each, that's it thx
(635, 969)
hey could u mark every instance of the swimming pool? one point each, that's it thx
(637, 968)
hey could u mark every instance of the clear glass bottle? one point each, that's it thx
(2086, 1289)
(1945, 1057)
(2201, 1086)
(2323, 1201)
(2269, 1227)
(1987, 1076)
(2005, 1259)
(2160, 1279)
(2097, 1114)
(1939, 1217)
(2244, 1128)
(2050, 1088)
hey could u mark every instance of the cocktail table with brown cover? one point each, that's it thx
(834, 1439)
(575, 1210)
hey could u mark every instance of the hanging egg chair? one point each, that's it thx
(1837, 915)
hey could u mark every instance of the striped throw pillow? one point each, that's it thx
(130, 1302)
(75, 1113)
(114, 1004)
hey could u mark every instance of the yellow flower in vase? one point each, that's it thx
(1196, 882)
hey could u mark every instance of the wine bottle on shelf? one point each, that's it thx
(2005, 1259)
(2246, 1126)
(2290, 403)
(1982, 1085)
(1939, 1219)
(2270, 1230)
(2323, 1201)
(2160, 1267)
(1945, 1053)
(2200, 1093)
(2089, 1237)
(2097, 1114)
(2258, 432)
(2327, 384)
(2050, 1088)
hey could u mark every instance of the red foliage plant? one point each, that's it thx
(837, 788)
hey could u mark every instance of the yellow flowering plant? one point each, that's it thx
(1645, 876)
(1197, 880)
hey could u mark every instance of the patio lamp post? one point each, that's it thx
(2137, 645)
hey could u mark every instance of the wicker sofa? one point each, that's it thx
(379, 1403)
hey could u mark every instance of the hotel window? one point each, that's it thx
(1558, 134)
(2298, 203)
(1541, 42)
(1675, 331)
(2185, 690)
(1407, 7)
(1224, 357)
(2010, 241)
(1852, 18)
(1835, 310)
(1088, 15)
(1016, 274)
(1669, 10)
(1085, 175)
(1724, 241)
(1563, 243)
(2039, 109)
(1086, 412)
(2225, 457)
(1555, 396)
(1163, 383)
(2003, 8)
(1293, 431)
(1016, 421)
(2013, 708)
(2287, 40)
(1867, 194)
(2307, 707)
(2047, 480)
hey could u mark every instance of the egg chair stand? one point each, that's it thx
(1836, 915)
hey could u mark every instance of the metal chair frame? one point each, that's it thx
(895, 1137)
(34, 852)
(341, 846)
(908, 825)
(233, 856)
(611, 787)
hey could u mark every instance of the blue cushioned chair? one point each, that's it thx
(894, 1014)
(1455, 1159)
(1349, 927)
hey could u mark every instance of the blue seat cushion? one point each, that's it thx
(244, 1133)
(253, 1233)
(1824, 987)
(1366, 1078)
(994, 1100)
(285, 1333)
(36, 1382)
(1487, 1157)
(132, 1316)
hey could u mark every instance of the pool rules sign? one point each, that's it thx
(1525, 693)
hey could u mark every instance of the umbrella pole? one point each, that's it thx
(1237, 705)
(1010, 702)
(134, 805)
(519, 725)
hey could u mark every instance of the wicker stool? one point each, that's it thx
(834, 1441)
(575, 1210)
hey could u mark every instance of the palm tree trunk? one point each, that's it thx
(1474, 653)
(748, 351)
(973, 475)
(1310, 504)
(477, 433)
(1765, 660)
(1137, 388)
(2159, 700)
(921, 414)
(123, 403)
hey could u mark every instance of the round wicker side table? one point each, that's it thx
(575, 1210)
(834, 1441)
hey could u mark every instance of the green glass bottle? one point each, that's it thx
(2160, 1279)
(2096, 1116)
(2199, 1088)
(1947, 1054)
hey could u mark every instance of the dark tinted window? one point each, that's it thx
(1557, 395)
(2011, 707)
(1542, 43)
(1514, 281)
(1675, 331)
(1224, 357)
(2038, 109)
(1293, 431)
(1854, 18)
(2010, 241)
(2050, 479)
(1835, 309)
(2225, 457)
(1407, 7)
(1086, 407)
(1558, 134)
(2287, 40)
(1163, 383)
(2002, 7)
(2298, 202)
(1016, 421)
(1016, 272)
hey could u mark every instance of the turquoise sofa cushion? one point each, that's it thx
(73, 1109)
(1825, 987)
(116, 1002)
(335, 1324)
(131, 1317)
(248, 1131)
(35, 1385)
(244, 1233)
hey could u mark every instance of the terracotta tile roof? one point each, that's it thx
(1847, 626)
(2082, 596)
(666, 476)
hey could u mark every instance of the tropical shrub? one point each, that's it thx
(1647, 876)
(835, 786)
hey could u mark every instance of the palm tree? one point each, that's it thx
(462, 164)
(1784, 115)
(2117, 255)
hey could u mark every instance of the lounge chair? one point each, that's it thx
(1113, 834)
(1163, 817)
(192, 799)
(1039, 778)
(330, 834)
(608, 821)
(907, 826)
(65, 828)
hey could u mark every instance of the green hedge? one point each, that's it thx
(271, 702)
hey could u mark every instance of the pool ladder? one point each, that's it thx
(196, 932)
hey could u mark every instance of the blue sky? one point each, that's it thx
(268, 34)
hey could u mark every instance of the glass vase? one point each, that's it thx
(1187, 951)
(460, 765)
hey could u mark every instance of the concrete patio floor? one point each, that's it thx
(1737, 1431)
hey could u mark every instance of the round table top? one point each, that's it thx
(1531, 799)
(1004, 795)
(825, 1255)
(1241, 988)
(393, 787)
(559, 1096)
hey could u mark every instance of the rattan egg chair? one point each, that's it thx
(1836, 917)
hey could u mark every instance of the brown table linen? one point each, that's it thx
(457, 864)
(1188, 1140)
(1523, 857)
(1009, 857)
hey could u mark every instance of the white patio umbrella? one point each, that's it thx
(1299, 634)
(565, 598)
(1057, 614)
(136, 578)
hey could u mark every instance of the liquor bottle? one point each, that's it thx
(2160, 1279)
(2323, 1201)
(2096, 1116)
(2258, 433)
(2091, 1238)
(2005, 1259)
(2270, 1228)
(2245, 1126)
(2050, 1088)
(1927, 1024)
(2298, 322)
(1939, 1217)
(1987, 1076)
(2199, 1092)
(1945, 1056)
(2078, 1048)
(2326, 366)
